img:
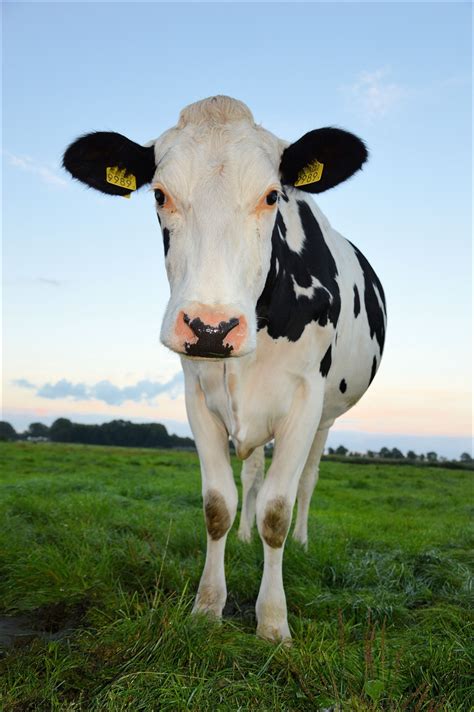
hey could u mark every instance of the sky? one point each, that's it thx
(84, 282)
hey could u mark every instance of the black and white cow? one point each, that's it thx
(279, 320)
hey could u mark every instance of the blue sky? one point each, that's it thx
(84, 283)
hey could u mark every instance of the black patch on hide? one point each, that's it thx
(375, 313)
(278, 307)
(356, 302)
(325, 364)
(343, 386)
(166, 240)
(374, 370)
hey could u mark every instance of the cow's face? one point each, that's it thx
(216, 189)
(216, 179)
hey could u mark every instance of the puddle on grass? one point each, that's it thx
(54, 622)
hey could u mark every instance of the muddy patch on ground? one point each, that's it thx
(242, 610)
(56, 621)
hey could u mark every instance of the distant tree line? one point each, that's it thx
(127, 434)
(394, 453)
(117, 432)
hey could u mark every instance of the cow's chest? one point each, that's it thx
(245, 402)
(253, 394)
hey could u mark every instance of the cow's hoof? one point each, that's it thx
(275, 633)
(212, 612)
(301, 538)
(245, 534)
(209, 602)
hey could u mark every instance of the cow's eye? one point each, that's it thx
(272, 197)
(160, 197)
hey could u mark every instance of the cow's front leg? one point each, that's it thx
(219, 500)
(275, 503)
(220, 504)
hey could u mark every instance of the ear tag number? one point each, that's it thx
(310, 174)
(119, 176)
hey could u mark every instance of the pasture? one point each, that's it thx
(101, 550)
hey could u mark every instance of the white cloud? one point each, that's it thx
(373, 94)
(107, 392)
(46, 173)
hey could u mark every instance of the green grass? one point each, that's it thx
(101, 550)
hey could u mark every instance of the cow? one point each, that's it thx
(279, 321)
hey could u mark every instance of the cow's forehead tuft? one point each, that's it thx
(216, 111)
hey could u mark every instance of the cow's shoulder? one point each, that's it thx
(302, 285)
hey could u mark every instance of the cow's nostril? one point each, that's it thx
(201, 329)
(226, 326)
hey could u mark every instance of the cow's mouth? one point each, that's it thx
(196, 351)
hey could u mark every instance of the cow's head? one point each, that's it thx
(217, 178)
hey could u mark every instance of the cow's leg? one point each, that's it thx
(252, 478)
(306, 486)
(275, 501)
(219, 499)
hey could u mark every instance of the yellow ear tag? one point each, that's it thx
(310, 174)
(119, 176)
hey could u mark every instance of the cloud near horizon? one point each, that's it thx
(23, 383)
(106, 391)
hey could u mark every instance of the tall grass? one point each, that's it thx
(101, 551)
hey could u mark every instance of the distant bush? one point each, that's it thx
(117, 432)
(7, 431)
(395, 455)
(37, 430)
(368, 460)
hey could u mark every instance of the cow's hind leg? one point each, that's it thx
(252, 478)
(306, 485)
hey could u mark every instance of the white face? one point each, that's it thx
(216, 187)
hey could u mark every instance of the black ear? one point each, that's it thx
(90, 158)
(321, 159)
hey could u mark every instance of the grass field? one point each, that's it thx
(101, 551)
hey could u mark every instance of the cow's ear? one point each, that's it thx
(321, 159)
(110, 162)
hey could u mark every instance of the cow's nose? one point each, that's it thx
(210, 339)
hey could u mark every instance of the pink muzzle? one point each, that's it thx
(207, 333)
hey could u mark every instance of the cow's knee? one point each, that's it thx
(274, 521)
(218, 516)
